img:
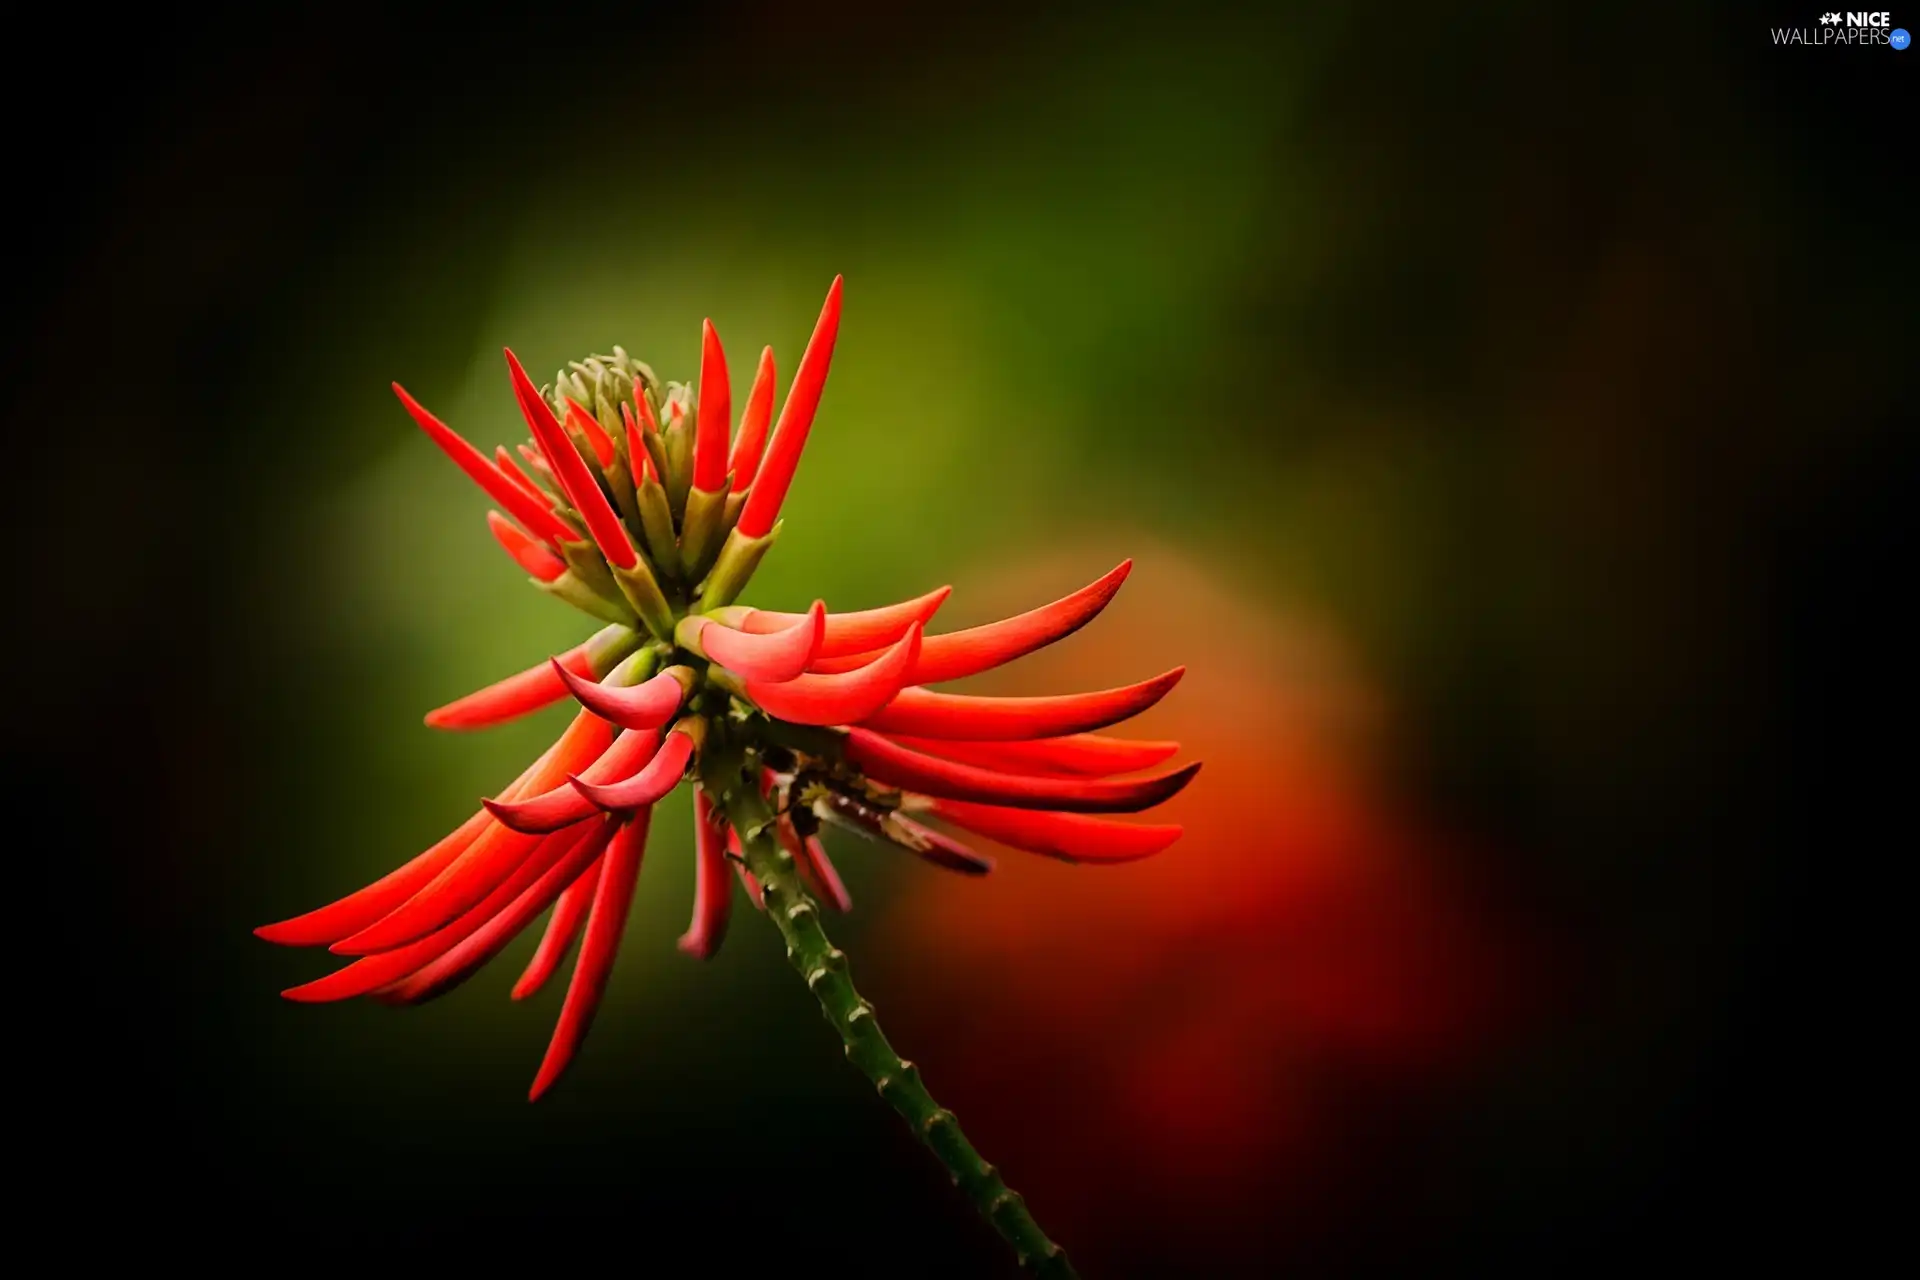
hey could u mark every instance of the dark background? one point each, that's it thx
(1617, 299)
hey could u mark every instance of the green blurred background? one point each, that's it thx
(1498, 406)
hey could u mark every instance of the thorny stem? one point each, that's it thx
(731, 775)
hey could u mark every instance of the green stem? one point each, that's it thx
(731, 775)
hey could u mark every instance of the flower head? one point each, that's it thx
(655, 530)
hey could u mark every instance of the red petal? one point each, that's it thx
(816, 872)
(517, 695)
(488, 860)
(530, 512)
(713, 416)
(582, 490)
(563, 926)
(538, 462)
(357, 910)
(563, 805)
(1083, 755)
(959, 716)
(648, 786)
(511, 470)
(596, 435)
(606, 921)
(774, 655)
(977, 649)
(645, 407)
(639, 460)
(712, 893)
(581, 849)
(868, 629)
(642, 706)
(747, 446)
(796, 419)
(839, 699)
(371, 972)
(528, 554)
(1072, 837)
(930, 775)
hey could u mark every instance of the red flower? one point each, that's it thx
(655, 530)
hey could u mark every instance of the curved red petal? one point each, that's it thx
(816, 870)
(647, 705)
(531, 512)
(1071, 837)
(528, 554)
(489, 860)
(839, 699)
(796, 419)
(771, 655)
(648, 786)
(712, 890)
(964, 717)
(582, 490)
(369, 973)
(606, 922)
(860, 632)
(977, 649)
(581, 849)
(563, 805)
(524, 482)
(563, 926)
(752, 440)
(1081, 755)
(590, 429)
(930, 775)
(713, 416)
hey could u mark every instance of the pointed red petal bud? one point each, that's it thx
(644, 706)
(714, 415)
(606, 922)
(775, 655)
(645, 408)
(977, 649)
(959, 716)
(590, 429)
(752, 440)
(569, 913)
(796, 419)
(536, 687)
(564, 805)
(640, 462)
(651, 784)
(839, 699)
(538, 461)
(582, 490)
(887, 762)
(369, 973)
(528, 554)
(1071, 837)
(524, 482)
(532, 513)
(861, 632)
(581, 849)
(487, 861)
(712, 892)
(1083, 755)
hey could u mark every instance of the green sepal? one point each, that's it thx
(736, 502)
(590, 567)
(678, 474)
(643, 592)
(700, 532)
(620, 480)
(735, 565)
(656, 450)
(569, 588)
(609, 645)
(656, 526)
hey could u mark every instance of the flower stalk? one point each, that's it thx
(729, 772)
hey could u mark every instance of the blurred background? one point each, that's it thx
(1499, 409)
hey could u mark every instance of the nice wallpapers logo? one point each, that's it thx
(1856, 29)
